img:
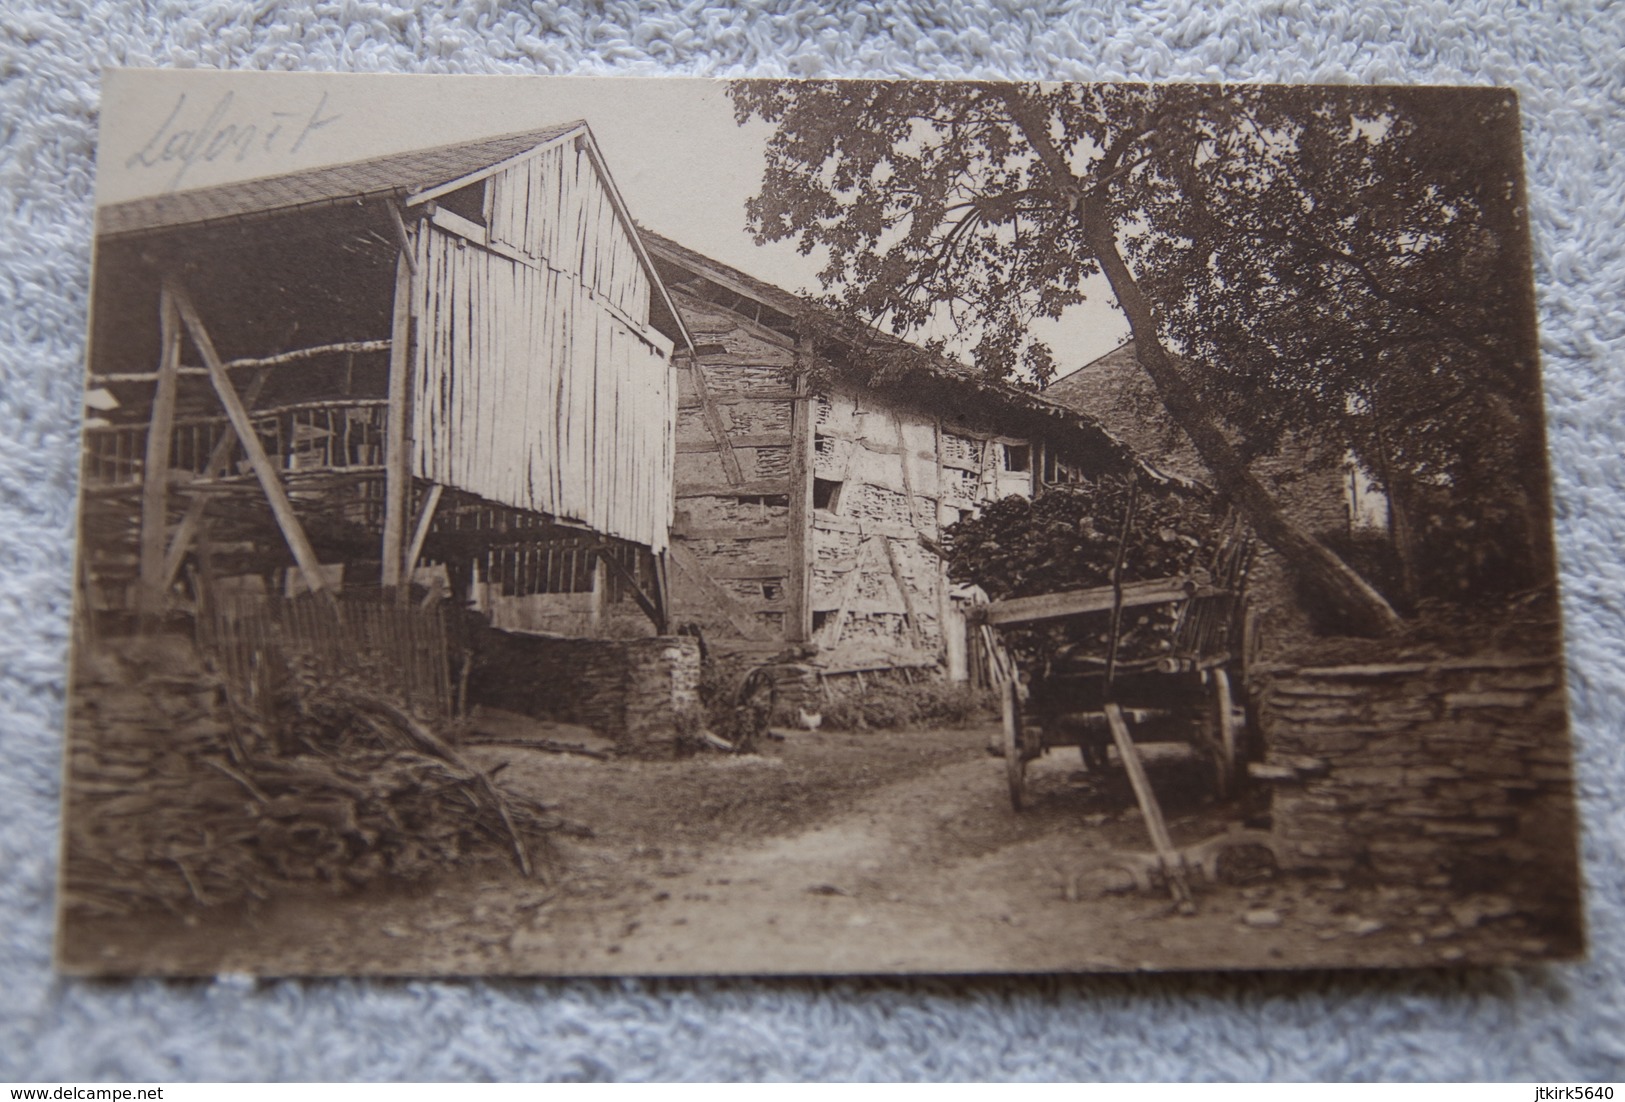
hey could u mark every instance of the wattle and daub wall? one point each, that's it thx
(874, 475)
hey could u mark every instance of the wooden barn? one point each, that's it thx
(451, 367)
(810, 517)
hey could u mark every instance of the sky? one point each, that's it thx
(683, 165)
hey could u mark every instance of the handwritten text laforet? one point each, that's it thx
(219, 129)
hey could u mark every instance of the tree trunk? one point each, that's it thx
(1364, 608)
(1526, 423)
(1399, 511)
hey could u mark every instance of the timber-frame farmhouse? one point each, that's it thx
(810, 515)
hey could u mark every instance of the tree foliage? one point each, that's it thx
(1348, 264)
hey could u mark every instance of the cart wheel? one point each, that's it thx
(1224, 728)
(1015, 758)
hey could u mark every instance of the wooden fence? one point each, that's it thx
(401, 649)
(344, 435)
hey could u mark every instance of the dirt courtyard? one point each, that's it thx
(877, 852)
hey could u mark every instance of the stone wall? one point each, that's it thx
(1445, 773)
(630, 690)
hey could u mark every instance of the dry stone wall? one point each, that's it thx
(630, 690)
(1447, 773)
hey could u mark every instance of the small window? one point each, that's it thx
(1018, 457)
(772, 591)
(826, 494)
(820, 619)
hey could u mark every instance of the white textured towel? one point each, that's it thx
(1553, 1024)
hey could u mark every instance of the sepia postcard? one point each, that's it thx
(610, 526)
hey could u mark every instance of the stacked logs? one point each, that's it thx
(1085, 535)
(177, 797)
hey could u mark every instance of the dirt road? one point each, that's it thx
(829, 853)
(932, 871)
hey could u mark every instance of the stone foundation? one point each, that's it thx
(1447, 773)
(630, 690)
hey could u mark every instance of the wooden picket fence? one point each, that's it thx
(401, 649)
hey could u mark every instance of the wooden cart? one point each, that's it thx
(1192, 691)
(1092, 700)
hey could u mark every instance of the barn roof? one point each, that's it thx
(1001, 399)
(415, 176)
(395, 173)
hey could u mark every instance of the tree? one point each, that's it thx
(1344, 260)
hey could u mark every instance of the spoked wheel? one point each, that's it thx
(1015, 755)
(1225, 730)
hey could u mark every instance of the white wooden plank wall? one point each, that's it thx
(555, 208)
(533, 394)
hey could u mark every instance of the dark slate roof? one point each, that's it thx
(1086, 384)
(1116, 391)
(785, 302)
(397, 173)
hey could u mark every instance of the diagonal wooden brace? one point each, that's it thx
(281, 508)
(650, 609)
(726, 603)
(219, 457)
(420, 532)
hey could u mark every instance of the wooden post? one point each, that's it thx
(849, 586)
(397, 442)
(903, 458)
(650, 609)
(945, 622)
(903, 591)
(155, 473)
(713, 423)
(264, 470)
(600, 595)
(1173, 866)
(402, 235)
(741, 617)
(799, 546)
(662, 572)
(215, 466)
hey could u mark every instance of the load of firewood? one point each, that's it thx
(180, 796)
(1078, 536)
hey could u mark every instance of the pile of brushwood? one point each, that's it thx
(178, 797)
(1074, 537)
